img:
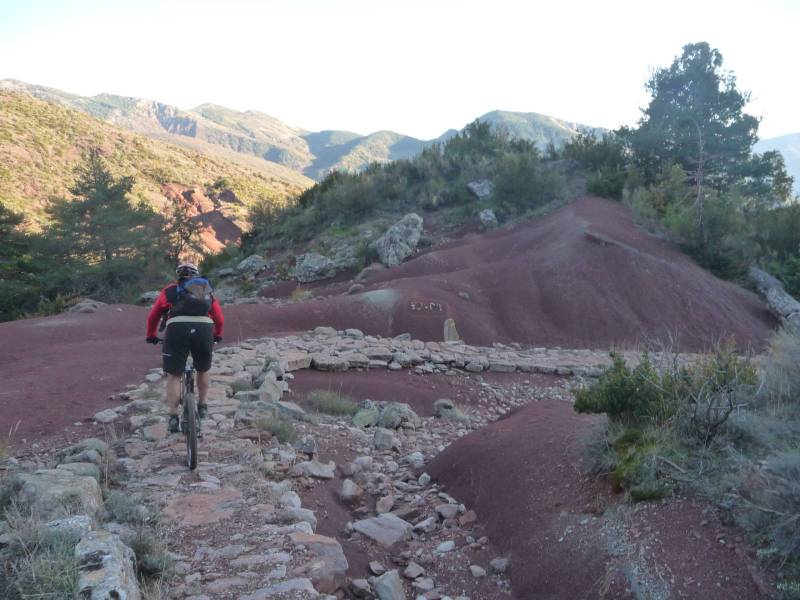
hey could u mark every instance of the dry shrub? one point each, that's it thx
(282, 429)
(332, 403)
(300, 293)
(782, 372)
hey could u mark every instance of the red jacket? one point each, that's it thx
(162, 306)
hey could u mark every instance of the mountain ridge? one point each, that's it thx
(263, 136)
(42, 142)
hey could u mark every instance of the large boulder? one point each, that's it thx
(313, 267)
(328, 569)
(389, 586)
(487, 218)
(444, 408)
(106, 568)
(481, 188)
(400, 240)
(386, 529)
(780, 302)
(54, 493)
(396, 415)
(251, 265)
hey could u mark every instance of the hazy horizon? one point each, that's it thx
(418, 68)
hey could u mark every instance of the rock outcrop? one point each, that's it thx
(783, 305)
(400, 240)
(313, 267)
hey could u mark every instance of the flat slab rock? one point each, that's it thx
(386, 529)
(316, 469)
(106, 568)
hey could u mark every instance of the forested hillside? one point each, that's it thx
(41, 143)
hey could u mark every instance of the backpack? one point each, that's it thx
(192, 298)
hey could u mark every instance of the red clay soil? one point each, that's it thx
(523, 477)
(584, 276)
(419, 392)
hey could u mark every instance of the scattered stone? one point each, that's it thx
(386, 529)
(106, 568)
(447, 511)
(499, 565)
(296, 514)
(384, 504)
(468, 518)
(83, 469)
(384, 439)
(313, 267)
(477, 571)
(106, 416)
(481, 188)
(366, 417)
(450, 331)
(389, 586)
(300, 585)
(487, 219)
(398, 414)
(376, 568)
(445, 547)
(328, 572)
(350, 493)
(413, 571)
(445, 408)
(360, 588)
(251, 265)
(315, 469)
(424, 585)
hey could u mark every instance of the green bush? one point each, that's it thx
(332, 403)
(604, 161)
(626, 394)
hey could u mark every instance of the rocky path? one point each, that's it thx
(346, 507)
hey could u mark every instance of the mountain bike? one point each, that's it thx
(190, 417)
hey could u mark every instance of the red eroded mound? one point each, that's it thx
(523, 475)
(586, 276)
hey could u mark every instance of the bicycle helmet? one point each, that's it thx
(186, 270)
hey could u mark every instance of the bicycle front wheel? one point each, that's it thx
(190, 419)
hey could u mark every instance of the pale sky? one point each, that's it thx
(414, 66)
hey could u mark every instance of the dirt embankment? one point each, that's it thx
(567, 535)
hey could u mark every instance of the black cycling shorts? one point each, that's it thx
(184, 338)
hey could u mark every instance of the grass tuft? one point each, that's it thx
(282, 429)
(332, 403)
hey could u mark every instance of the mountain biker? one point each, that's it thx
(194, 323)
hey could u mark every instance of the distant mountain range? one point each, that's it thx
(789, 146)
(214, 129)
(42, 142)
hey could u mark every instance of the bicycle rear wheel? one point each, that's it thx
(190, 419)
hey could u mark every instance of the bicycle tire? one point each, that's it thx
(190, 414)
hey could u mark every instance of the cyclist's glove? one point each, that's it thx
(217, 339)
(152, 339)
